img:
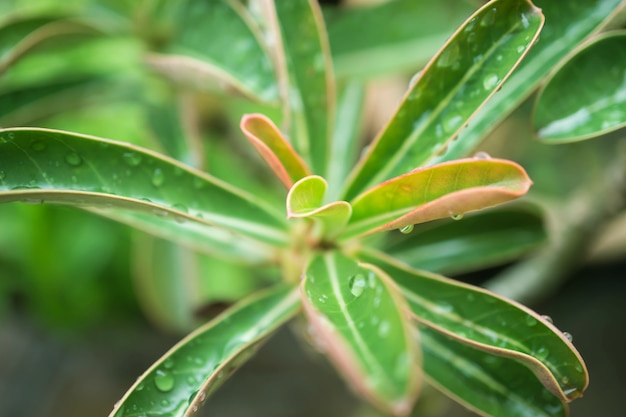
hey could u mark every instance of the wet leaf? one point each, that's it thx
(487, 384)
(446, 190)
(453, 86)
(586, 97)
(567, 24)
(53, 166)
(179, 382)
(274, 148)
(497, 326)
(308, 84)
(359, 320)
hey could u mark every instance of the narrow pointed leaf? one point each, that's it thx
(498, 326)
(489, 385)
(310, 89)
(274, 148)
(305, 200)
(178, 383)
(567, 24)
(359, 319)
(453, 86)
(586, 97)
(60, 167)
(480, 240)
(436, 192)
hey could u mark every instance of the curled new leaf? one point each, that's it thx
(445, 190)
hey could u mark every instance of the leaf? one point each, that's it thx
(216, 41)
(586, 97)
(274, 148)
(447, 93)
(305, 200)
(489, 385)
(359, 319)
(480, 240)
(446, 190)
(497, 326)
(45, 165)
(180, 381)
(408, 33)
(309, 87)
(567, 24)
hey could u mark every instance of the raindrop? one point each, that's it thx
(414, 79)
(482, 155)
(371, 279)
(180, 207)
(449, 56)
(548, 319)
(383, 328)
(568, 336)
(158, 178)
(191, 381)
(165, 403)
(168, 363)
(357, 284)
(521, 49)
(489, 17)
(322, 298)
(457, 216)
(565, 380)
(531, 321)
(490, 81)
(132, 158)
(202, 396)
(451, 122)
(38, 146)
(579, 368)
(443, 308)
(407, 229)
(541, 353)
(163, 380)
(73, 159)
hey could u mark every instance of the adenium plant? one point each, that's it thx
(385, 325)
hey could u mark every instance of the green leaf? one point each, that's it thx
(179, 382)
(481, 240)
(45, 165)
(359, 319)
(488, 385)
(485, 321)
(305, 200)
(274, 148)
(567, 24)
(586, 97)
(408, 33)
(449, 91)
(216, 42)
(308, 83)
(446, 190)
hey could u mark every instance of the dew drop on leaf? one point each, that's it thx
(548, 319)
(482, 155)
(357, 284)
(163, 380)
(73, 159)
(38, 146)
(568, 336)
(458, 216)
(541, 353)
(490, 81)
(158, 177)
(132, 158)
(530, 320)
(407, 229)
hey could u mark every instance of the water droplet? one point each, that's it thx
(163, 380)
(180, 207)
(482, 155)
(489, 18)
(449, 56)
(139, 386)
(531, 321)
(3, 175)
(452, 122)
(132, 158)
(579, 368)
(541, 353)
(202, 396)
(191, 381)
(456, 216)
(443, 308)
(158, 178)
(165, 403)
(168, 363)
(322, 298)
(383, 328)
(371, 279)
(407, 229)
(73, 159)
(490, 81)
(548, 319)
(565, 380)
(357, 284)
(414, 79)
(198, 183)
(521, 49)
(38, 146)
(568, 336)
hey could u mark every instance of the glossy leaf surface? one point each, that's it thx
(485, 321)
(179, 382)
(44, 165)
(274, 148)
(452, 87)
(567, 24)
(440, 191)
(359, 319)
(305, 200)
(477, 241)
(586, 97)
(487, 384)
(310, 89)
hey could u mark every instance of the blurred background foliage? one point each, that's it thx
(76, 289)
